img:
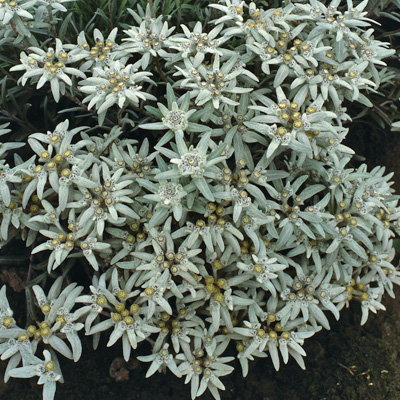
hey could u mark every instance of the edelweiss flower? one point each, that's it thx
(10, 9)
(214, 84)
(168, 196)
(197, 43)
(233, 11)
(126, 319)
(194, 162)
(102, 53)
(264, 270)
(48, 372)
(6, 320)
(149, 39)
(159, 360)
(115, 84)
(109, 200)
(205, 365)
(9, 175)
(51, 66)
(57, 5)
(176, 118)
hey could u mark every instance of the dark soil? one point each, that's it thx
(378, 147)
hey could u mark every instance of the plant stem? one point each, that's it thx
(160, 71)
(141, 111)
(388, 34)
(375, 6)
(151, 8)
(5, 72)
(53, 29)
(26, 124)
(14, 28)
(30, 269)
(178, 2)
(119, 116)
(383, 115)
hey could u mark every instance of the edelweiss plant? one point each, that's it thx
(203, 200)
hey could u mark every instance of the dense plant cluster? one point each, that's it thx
(206, 205)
